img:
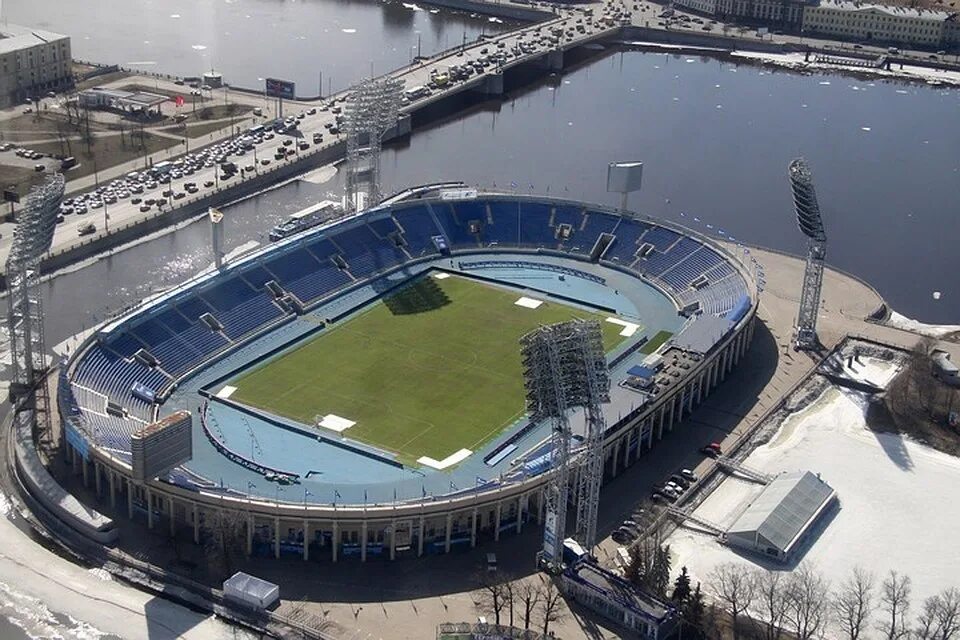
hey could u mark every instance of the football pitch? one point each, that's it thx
(431, 369)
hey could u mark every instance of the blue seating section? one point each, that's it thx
(418, 229)
(292, 265)
(181, 342)
(456, 230)
(113, 376)
(656, 263)
(661, 238)
(625, 247)
(535, 226)
(383, 227)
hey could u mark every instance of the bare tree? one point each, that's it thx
(808, 608)
(509, 596)
(491, 596)
(895, 602)
(853, 603)
(735, 587)
(225, 540)
(772, 595)
(528, 594)
(551, 604)
(940, 618)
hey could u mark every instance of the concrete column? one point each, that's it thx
(615, 458)
(149, 508)
(196, 525)
(336, 540)
(723, 364)
(626, 451)
(540, 507)
(86, 473)
(173, 516)
(690, 397)
(251, 522)
(393, 541)
(130, 499)
(96, 477)
(473, 528)
(636, 451)
(673, 407)
(363, 542)
(496, 525)
(74, 460)
(423, 531)
(306, 539)
(111, 484)
(520, 506)
(446, 547)
(659, 430)
(702, 380)
(276, 537)
(660, 424)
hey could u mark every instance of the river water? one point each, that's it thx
(307, 41)
(716, 139)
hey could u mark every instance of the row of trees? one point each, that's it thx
(531, 601)
(770, 605)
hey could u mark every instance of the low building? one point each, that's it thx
(135, 102)
(619, 600)
(951, 32)
(250, 591)
(877, 23)
(33, 62)
(780, 519)
(786, 14)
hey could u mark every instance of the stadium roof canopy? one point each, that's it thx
(782, 513)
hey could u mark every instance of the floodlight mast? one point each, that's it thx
(371, 111)
(25, 321)
(565, 367)
(810, 223)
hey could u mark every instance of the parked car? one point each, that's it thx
(689, 475)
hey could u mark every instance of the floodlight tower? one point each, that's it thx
(31, 239)
(371, 110)
(564, 367)
(811, 224)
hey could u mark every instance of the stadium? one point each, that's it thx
(357, 390)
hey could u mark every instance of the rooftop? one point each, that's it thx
(784, 509)
(891, 10)
(619, 590)
(14, 37)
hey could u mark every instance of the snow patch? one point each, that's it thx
(909, 324)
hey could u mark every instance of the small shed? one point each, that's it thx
(250, 591)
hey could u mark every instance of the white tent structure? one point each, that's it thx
(250, 591)
(778, 520)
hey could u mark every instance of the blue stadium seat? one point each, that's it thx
(418, 229)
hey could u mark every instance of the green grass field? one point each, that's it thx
(430, 370)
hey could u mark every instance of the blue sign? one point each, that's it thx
(280, 88)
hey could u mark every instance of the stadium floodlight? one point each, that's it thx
(810, 223)
(25, 323)
(565, 367)
(371, 111)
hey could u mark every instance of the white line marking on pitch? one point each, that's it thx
(449, 461)
(226, 392)
(629, 328)
(528, 303)
(335, 423)
(441, 275)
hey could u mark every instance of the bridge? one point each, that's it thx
(540, 46)
(684, 516)
(733, 467)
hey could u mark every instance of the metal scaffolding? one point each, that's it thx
(564, 368)
(371, 111)
(811, 224)
(31, 239)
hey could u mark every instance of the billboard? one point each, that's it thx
(550, 536)
(161, 446)
(280, 88)
(624, 177)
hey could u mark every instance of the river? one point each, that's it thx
(307, 41)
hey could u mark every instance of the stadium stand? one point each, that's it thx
(244, 306)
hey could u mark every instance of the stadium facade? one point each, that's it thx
(179, 351)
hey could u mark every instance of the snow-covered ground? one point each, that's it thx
(897, 497)
(50, 597)
(933, 330)
(795, 61)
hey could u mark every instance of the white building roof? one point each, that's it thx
(251, 585)
(14, 37)
(897, 12)
(783, 510)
